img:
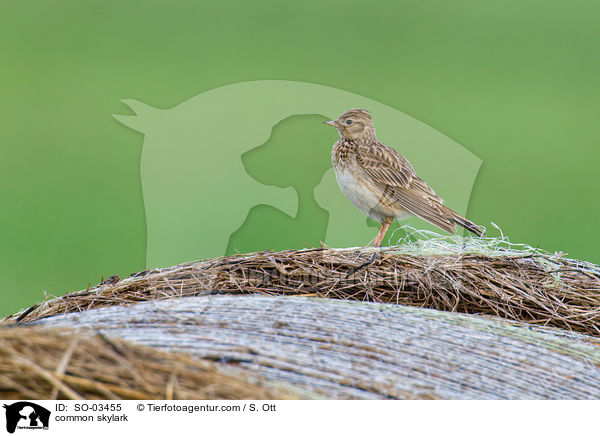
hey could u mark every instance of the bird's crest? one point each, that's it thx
(358, 112)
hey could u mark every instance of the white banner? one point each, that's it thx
(42, 418)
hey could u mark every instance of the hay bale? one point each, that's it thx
(44, 363)
(474, 276)
(344, 349)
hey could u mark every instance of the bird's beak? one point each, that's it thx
(331, 123)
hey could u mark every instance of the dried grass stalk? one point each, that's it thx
(44, 363)
(475, 276)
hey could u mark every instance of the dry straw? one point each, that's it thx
(488, 276)
(43, 363)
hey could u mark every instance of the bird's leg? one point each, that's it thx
(384, 226)
(382, 231)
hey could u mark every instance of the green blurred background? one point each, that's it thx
(515, 82)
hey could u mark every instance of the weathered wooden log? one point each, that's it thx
(344, 349)
(56, 363)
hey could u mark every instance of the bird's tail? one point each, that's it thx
(469, 225)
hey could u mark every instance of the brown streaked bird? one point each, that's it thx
(381, 182)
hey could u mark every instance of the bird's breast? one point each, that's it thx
(343, 153)
(352, 179)
(358, 187)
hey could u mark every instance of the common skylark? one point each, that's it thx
(381, 182)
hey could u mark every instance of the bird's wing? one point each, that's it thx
(395, 176)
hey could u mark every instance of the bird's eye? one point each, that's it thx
(348, 122)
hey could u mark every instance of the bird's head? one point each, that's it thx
(354, 124)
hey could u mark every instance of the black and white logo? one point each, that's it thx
(26, 415)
